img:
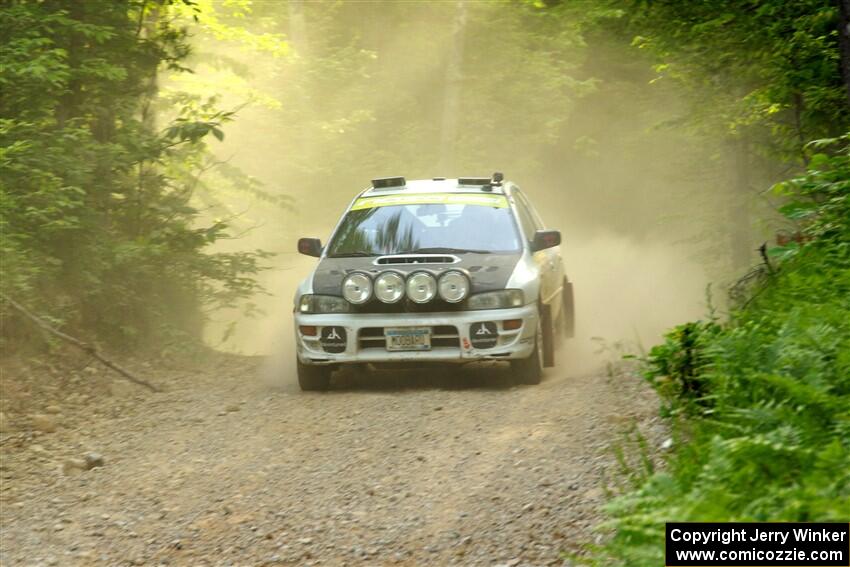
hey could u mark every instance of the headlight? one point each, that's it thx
(322, 304)
(454, 286)
(357, 288)
(421, 287)
(389, 287)
(496, 299)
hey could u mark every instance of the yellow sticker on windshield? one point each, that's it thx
(482, 199)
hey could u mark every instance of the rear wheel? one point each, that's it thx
(313, 377)
(568, 318)
(548, 336)
(529, 370)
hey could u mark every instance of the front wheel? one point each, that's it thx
(529, 370)
(313, 377)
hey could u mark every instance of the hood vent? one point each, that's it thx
(416, 259)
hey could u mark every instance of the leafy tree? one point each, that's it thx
(766, 69)
(762, 77)
(349, 103)
(95, 232)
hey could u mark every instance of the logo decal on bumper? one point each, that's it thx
(483, 335)
(334, 339)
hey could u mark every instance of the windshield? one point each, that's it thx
(373, 228)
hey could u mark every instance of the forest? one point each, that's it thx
(158, 159)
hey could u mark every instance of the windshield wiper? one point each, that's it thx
(355, 254)
(445, 250)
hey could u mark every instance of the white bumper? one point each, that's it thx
(365, 344)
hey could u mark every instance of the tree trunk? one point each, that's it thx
(844, 42)
(148, 20)
(299, 42)
(451, 100)
(297, 27)
(69, 103)
(740, 238)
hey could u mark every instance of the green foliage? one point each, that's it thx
(819, 201)
(675, 367)
(97, 231)
(350, 104)
(767, 435)
(767, 69)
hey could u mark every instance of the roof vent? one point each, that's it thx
(486, 183)
(388, 182)
(474, 181)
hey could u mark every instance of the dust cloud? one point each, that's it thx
(638, 204)
(627, 294)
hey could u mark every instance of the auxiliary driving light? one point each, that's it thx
(357, 288)
(421, 287)
(454, 286)
(389, 287)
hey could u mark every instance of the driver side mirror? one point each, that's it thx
(310, 247)
(544, 239)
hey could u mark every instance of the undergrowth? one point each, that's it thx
(759, 405)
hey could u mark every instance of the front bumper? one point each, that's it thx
(450, 332)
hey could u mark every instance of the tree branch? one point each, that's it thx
(85, 347)
(765, 259)
(844, 42)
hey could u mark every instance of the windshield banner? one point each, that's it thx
(484, 200)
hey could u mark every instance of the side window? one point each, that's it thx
(525, 218)
(538, 222)
(537, 218)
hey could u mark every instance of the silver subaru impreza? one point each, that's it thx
(433, 271)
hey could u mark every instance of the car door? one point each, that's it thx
(530, 225)
(548, 260)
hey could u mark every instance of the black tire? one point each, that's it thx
(529, 370)
(568, 317)
(548, 336)
(312, 377)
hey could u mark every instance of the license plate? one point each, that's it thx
(408, 338)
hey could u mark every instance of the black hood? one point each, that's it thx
(487, 272)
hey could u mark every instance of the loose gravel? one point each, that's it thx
(429, 467)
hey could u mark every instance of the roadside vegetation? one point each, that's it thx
(759, 405)
(757, 398)
(121, 202)
(101, 232)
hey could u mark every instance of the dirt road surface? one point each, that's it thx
(400, 468)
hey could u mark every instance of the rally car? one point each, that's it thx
(433, 271)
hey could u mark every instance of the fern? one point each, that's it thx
(762, 400)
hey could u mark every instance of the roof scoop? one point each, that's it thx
(417, 259)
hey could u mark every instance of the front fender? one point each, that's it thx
(305, 287)
(526, 276)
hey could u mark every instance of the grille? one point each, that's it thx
(441, 336)
(436, 305)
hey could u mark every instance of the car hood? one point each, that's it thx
(487, 272)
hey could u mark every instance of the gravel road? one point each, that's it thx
(394, 468)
